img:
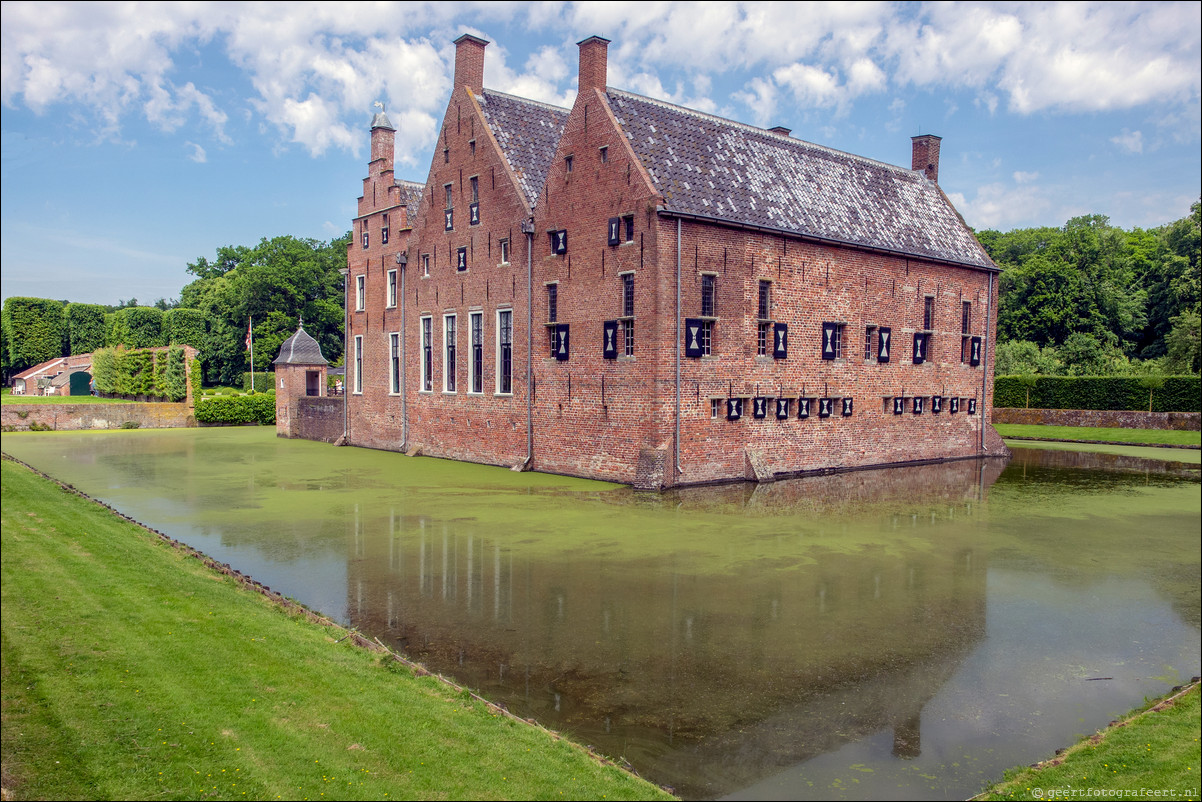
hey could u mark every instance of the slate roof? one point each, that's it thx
(712, 167)
(300, 349)
(528, 133)
(411, 196)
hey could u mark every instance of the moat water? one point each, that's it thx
(903, 633)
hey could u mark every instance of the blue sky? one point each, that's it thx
(138, 137)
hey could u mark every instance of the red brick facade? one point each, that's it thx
(606, 379)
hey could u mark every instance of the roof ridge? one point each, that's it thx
(785, 138)
(550, 106)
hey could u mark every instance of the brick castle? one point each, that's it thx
(635, 291)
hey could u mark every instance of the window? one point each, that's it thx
(559, 242)
(472, 145)
(446, 155)
(363, 231)
(427, 354)
(869, 342)
(448, 343)
(391, 288)
(928, 313)
(966, 318)
(449, 209)
(567, 163)
(707, 337)
(764, 307)
(604, 152)
(832, 340)
(966, 348)
(384, 232)
(358, 364)
(628, 224)
(628, 337)
(394, 362)
(476, 357)
(359, 283)
(426, 265)
(707, 295)
(503, 246)
(552, 317)
(715, 407)
(761, 338)
(505, 351)
(474, 207)
(628, 294)
(461, 259)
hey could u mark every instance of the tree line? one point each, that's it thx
(1087, 298)
(275, 283)
(1093, 299)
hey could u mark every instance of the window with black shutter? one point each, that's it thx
(780, 347)
(974, 357)
(559, 242)
(972, 406)
(884, 343)
(734, 408)
(461, 260)
(609, 339)
(692, 337)
(899, 405)
(562, 350)
(936, 404)
(825, 406)
(920, 347)
(782, 408)
(832, 340)
(759, 407)
(615, 231)
(803, 407)
(918, 404)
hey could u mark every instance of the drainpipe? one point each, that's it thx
(985, 361)
(528, 230)
(679, 470)
(346, 332)
(402, 260)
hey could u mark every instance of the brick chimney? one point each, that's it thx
(593, 63)
(925, 155)
(469, 62)
(780, 129)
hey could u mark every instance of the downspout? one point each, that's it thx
(346, 331)
(679, 470)
(403, 261)
(985, 361)
(528, 230)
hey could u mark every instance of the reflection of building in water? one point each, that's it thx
(706, 672)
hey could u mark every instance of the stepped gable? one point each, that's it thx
(300, 349)
(528, 133)
(729, 171)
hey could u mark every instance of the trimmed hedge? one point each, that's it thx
(161, 373)
(85, 327)
(264, 382)
(1178, 394)
(35, 331)
(185, 327)
(225, 409)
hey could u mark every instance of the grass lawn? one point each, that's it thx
(1097, 434)
(132, 671)
(9, 399)
(1151, 754)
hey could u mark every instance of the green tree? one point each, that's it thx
(35, 331)
(1023, 357)
(1185, 343)
(85, 327)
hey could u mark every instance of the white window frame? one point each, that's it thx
(425, 334)
(391, 300)
(394, 363)
(472, 367)
(504, 248)
(358, 364)
(499, 361)
(360, 286)
(450, 353)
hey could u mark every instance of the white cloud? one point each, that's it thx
(1021, 177)
(998, 206)
(1130, 141)
(198, 154)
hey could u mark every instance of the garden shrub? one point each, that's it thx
(264, 382)
(1177, 394)
(257, 408)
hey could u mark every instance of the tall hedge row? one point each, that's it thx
(1177, 394)
(161, 373)
(264, 381)
(226, 409)
(136, 327)
(184, 327)
(35, 331)
(85, 327)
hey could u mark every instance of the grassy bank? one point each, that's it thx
(1098, 434)
(14, 400)
(132, 671)
(1151, 754)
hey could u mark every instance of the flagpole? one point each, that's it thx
(250, 335)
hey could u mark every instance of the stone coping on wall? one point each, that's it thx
(76, 417)
(1110, 419)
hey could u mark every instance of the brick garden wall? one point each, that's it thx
(317, 418)
(73, 417)
(1115, 419)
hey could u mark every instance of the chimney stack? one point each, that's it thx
(593, 63)
(469, 62)
(925, 155)
(780, 129)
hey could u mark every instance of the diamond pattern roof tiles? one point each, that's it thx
(717, 168)
(528, 133)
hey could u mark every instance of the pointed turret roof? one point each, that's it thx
(300, 349)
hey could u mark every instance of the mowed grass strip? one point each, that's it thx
(1153, 754)
(1099, 434)
(132, 671)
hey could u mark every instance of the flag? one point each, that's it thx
(250, 336)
